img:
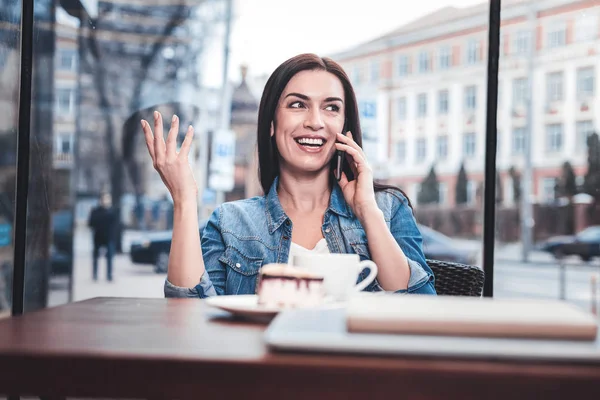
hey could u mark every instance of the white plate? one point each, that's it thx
(246, 305)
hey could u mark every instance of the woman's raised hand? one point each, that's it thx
(172, 166)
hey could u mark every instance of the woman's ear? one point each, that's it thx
(272, 129)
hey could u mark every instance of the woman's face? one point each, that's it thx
(309, 114)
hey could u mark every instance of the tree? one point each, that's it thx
(461, 196)
(591, 183)
(516, 184)
(566, 186)
(430, 189)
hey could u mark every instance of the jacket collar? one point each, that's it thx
(276, 216)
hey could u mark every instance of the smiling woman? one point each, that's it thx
(306, 103)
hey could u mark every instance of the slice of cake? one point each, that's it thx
(281, 285)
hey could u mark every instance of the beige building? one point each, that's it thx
(422, 92)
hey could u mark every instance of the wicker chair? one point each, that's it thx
(453, 279)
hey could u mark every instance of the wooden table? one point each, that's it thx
(177, 348)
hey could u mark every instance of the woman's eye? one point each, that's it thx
(332, 107)
(296, 104)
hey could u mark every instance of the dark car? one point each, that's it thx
(61, 252)
(154, 249)
(440, 247)
(585, 244)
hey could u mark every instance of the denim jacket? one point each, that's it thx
(242, 236)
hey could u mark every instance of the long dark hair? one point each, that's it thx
(268, 154)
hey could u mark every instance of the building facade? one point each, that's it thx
(422, 93)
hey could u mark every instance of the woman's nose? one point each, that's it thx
(313, 120)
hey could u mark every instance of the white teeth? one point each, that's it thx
(316, 142)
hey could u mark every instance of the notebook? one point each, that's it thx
(470, 316)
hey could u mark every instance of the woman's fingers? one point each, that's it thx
(347, 139)
(357, 157)
(149, 137)
(172, 137)
(159, 140)
(187, 142)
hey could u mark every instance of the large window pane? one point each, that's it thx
(9, 94)
(548, 187)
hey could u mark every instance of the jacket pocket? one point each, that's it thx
(242, 271)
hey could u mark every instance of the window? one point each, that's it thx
(64, 101)
(469, 144)
(471, 98)
(518, 140)
(443, 102)
(375, 71)
(471, 192)
(64, 143)
(423, 61)
(356, 75)
(585, 83)
(442, 147)
(522, 43)
(548, 190)
(443, 191)
(403, 65)
(554, 138)
(583, 129)
(586, 28)
(473, 51)
(554, 88)
(67, 60)
(401, 108)
(421, 150)
(557, 36)
(445, 57)
(400, 151)
(520, 86)
(422, 105)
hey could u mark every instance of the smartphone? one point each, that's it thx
(339, 159)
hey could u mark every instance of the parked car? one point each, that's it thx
(585, 244)
(438, 246)
(154, 249)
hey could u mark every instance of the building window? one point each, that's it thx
(554, 138)
(421, 150)
(548, 190)
(520, 91)
(422, 105)
(471, 192)
(442, 147)
(423, 61)
(471, 98)
(64, 100)
(64, 143)
(586, 28)
(443, 193)
(585, 83)
(583, 129)
(473, 51)
(522, 43)
(401, 108)
(469, 144)
(555, 87)
(403, 65)
(518, 141)
(443, 105)
(67, 60)
(374, 71)
(445, 57)
(356, 75)
(400, 151)
(557, 36)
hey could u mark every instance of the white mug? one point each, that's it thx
(340, 272)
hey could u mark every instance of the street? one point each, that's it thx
(540, 278)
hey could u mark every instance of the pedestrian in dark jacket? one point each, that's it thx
(103, 221)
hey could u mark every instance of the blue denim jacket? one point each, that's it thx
(242, 236)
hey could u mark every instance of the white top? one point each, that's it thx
(320, 248)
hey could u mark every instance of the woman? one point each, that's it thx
(306, 105)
